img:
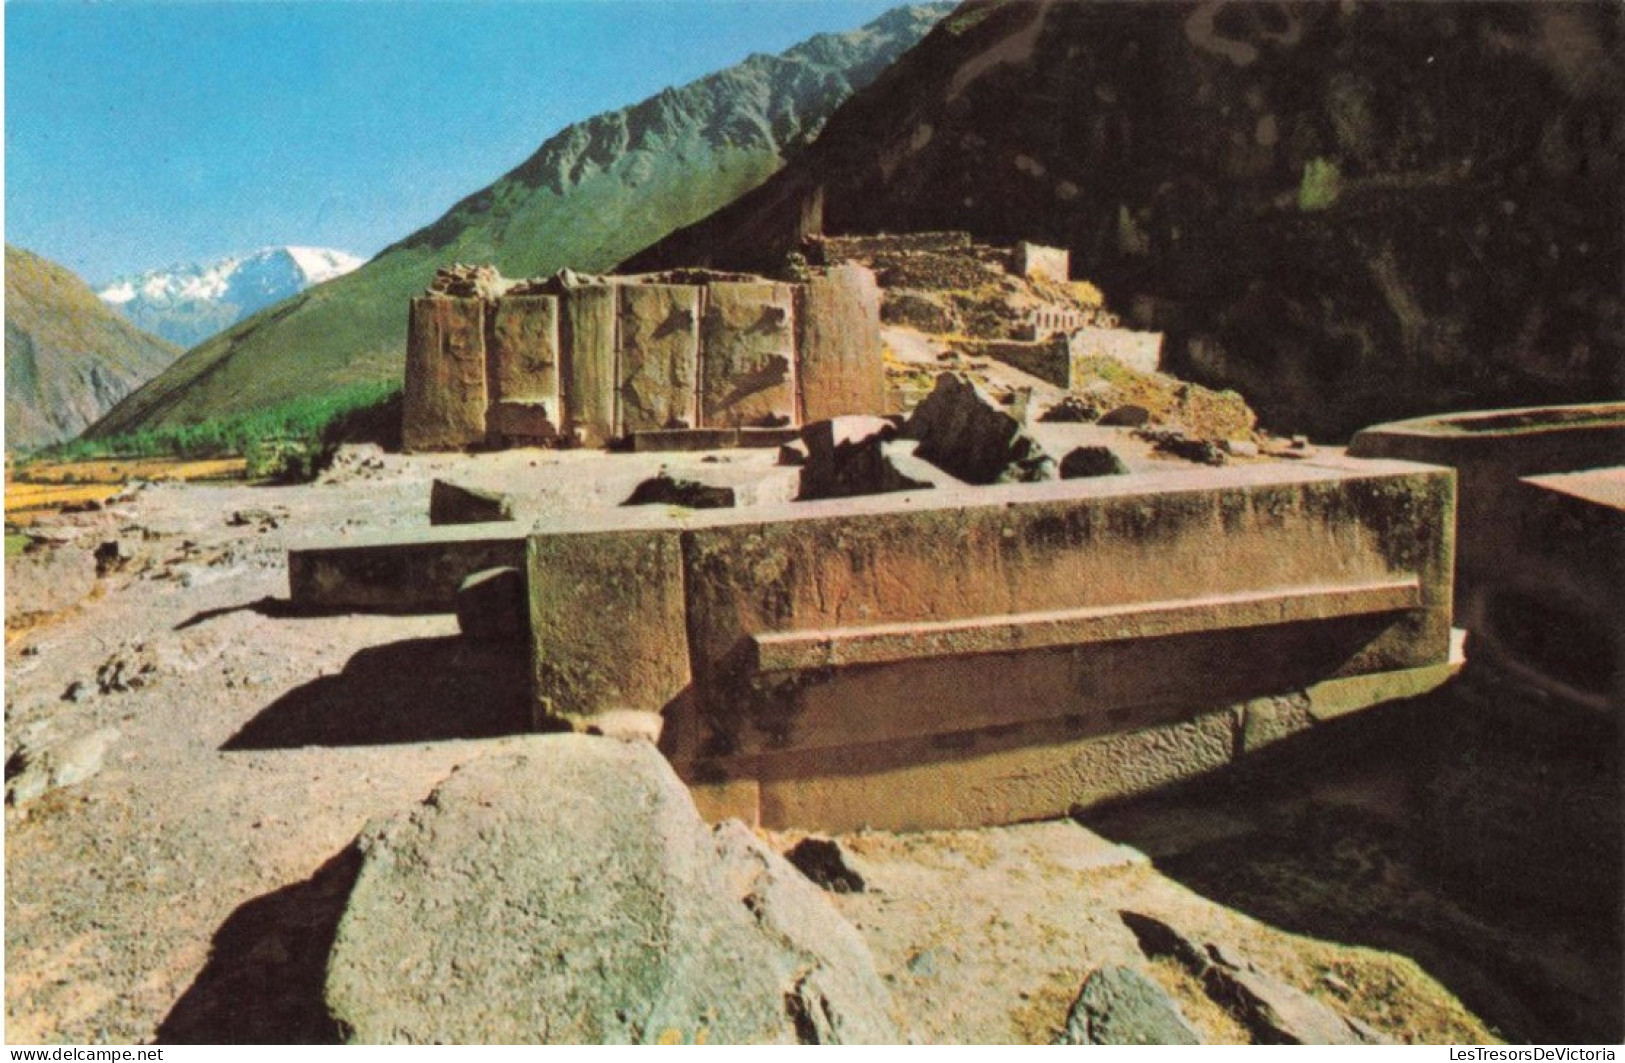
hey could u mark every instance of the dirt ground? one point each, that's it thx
(188, 891)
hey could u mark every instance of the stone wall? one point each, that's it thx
(956, 657)
(590, 360)
(1036, 262)
(1140, 351)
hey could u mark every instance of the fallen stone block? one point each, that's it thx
(1126, 417)
(570, 893)
(662, 490)
(824, 861)
(964, 432)
(451, 504)
(1072, 410)
(1121, 1006)
(1084, 462)
(845, 459)
(493, 605)
(34, 773)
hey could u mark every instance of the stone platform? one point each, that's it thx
(960, 656)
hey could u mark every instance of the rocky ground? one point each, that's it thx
(191, 761)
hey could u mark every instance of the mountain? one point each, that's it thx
(1349, 212)
(591, 195)
(68, 357)
(187, 304)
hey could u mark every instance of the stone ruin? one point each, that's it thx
(948, 655)
(686, 358)
(1046, 340)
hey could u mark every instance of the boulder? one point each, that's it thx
(845, 457)
(31, 773)
(1084, 462)
(451, 504)
(1121, 1006)
(570, 893)
(492, 604)
(1126, 417)
(662, 490)
(964, 432)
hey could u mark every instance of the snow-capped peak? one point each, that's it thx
(188, 303)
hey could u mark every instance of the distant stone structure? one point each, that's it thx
(577, 359)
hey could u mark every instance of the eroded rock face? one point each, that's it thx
(966, 434)
(571, 893)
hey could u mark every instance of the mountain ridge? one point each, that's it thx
(69, 358)
(186, 303)
(590, 195)
(1350, 213)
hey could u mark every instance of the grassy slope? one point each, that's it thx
(592, 195)
(68, 356)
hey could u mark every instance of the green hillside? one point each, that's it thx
(69, 357)
(592, 195)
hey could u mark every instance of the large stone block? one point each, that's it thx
(747, 359)
(659, 357)
(569, 893)
(587, 338)
(524, 355)
(838, 326)
(396, 574)
(1034, 261)
(607, 623)
(1140, 351)
(865, 622)
(445, 395)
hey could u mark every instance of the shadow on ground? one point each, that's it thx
(417, 690)
(1478, 843)
(267, 964)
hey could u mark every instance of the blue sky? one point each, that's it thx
(144, 134)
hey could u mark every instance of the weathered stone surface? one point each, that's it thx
(524, 355)
(607, 623)
(966, 434)
(662, 490)
(450, 503)
(659, 356)
(1141, 351)
(747, 371)
(839, 369)
(845, 458)
(1120, 1006)
(35, 772)
(446, 395)
(492, 605)
(839, 999)
(1035, 262)
(571, 894)
(392, 573)
(587, 337)
(1083, 462)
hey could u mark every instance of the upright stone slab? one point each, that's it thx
(659, 357)
(445, 400)
(747, 359)
(607, 623)
(587, 335)
(840, 367)
(1037, 261)
(524, 355)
